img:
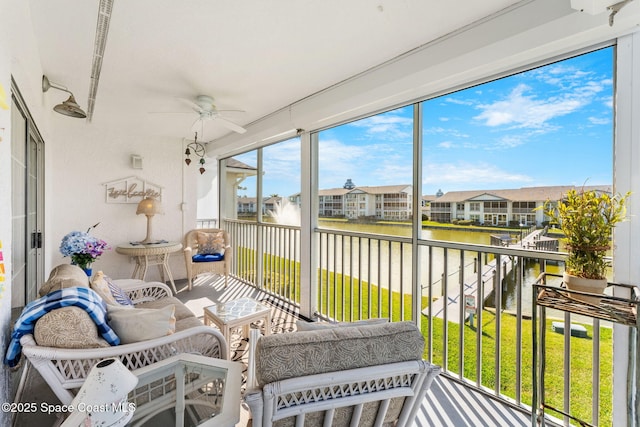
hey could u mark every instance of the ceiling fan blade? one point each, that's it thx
(195, 107)
(198, 126)
(229, 124)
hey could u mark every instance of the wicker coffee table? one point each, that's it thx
(237, 313)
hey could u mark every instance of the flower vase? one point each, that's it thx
(88, 271)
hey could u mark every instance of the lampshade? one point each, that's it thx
(149, 206)
(102, 399)
(70, 108)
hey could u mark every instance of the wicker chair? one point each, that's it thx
(371, 375)
(196, 266)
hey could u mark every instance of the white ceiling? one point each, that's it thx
(254, 55)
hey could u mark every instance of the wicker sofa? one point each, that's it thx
(65, 369)
(360, 375)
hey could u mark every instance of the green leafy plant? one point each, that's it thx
(587, 219)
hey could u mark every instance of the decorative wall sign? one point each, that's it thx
(131, 190)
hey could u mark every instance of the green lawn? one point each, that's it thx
(338, 297)
(347, 299)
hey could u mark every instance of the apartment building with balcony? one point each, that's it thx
(501, 207)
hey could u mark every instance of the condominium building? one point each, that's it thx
(387, 202)
(501, 207)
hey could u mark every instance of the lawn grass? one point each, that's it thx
(339, 294)
(345, 298)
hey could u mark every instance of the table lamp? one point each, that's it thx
(102, 399)
(149, 207)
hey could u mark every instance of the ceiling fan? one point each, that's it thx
(206, 110)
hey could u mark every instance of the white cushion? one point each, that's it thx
(140, 324)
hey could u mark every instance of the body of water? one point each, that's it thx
(433, 268)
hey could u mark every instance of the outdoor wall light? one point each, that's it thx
(198, 150)
(69, 107)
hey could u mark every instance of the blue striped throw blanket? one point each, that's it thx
(84, 298)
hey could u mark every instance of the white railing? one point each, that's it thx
(267, 256)
(363, 275)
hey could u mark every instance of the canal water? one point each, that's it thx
(437, 274)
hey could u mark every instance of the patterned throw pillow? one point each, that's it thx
(118, 294)
(111, 293)
(68, 327)
(99, 284)
(210, 243)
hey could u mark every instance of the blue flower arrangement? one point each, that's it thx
(83, 248)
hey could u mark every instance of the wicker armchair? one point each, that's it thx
(196, 266)
(356, 375)
(65, 370)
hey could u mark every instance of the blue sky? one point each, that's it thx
(547, 126)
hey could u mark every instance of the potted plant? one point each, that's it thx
(587, 219)
(83, 248)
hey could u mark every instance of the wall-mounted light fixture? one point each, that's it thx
(69, 107)
(198, 150)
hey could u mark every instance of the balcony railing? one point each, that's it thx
(474, 304)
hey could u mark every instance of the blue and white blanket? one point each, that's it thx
(84, 298)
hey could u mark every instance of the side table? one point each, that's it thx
(204, 391)
(237, 313)
(151, 254)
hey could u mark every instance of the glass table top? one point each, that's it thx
(237, 309)
(187, 390)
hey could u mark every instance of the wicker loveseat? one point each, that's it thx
(65, 369)
(362, 375)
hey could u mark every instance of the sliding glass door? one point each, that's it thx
(27, 168)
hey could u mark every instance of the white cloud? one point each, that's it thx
(464, 175)
(449, 132)
(388, 125)
(520, 110)
(446, 144)
(368, 164)
(338, 161)
(458, 101)
(599, 120)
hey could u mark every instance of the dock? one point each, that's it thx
(535, 239)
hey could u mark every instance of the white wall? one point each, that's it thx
(207, 197)
(79, 158)
(5, 208)
(83, 158)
